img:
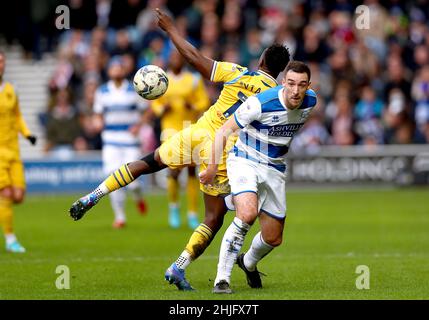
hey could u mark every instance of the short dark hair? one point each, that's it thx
(276, 58)
(298, 67)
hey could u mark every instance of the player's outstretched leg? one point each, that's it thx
(126, 174)
(177, 276)
(200, 239)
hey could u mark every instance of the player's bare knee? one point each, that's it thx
(246, 212)
(273, 240)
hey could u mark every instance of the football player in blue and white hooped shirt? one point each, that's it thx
(257, 169)
(117, 109)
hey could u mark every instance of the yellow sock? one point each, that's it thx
(119, 179)
(199, 241)
(192, 190)
(172, 189)
(6, 216)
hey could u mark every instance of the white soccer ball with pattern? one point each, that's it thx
(150, 82)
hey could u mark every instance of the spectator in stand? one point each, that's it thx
(146, 19)
(90, 132)
(368, 106)
(210, 31)
(154, 53)
(312, 135)
(312, 48)
(342, 122)
(368, 112)
(389, 56)
(251, 49)
(341, 67)
(420, 93)
(397, 77)
(124, 13)
(63, 128)
(398, 125)
(231, 22)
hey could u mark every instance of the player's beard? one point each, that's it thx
(293, 104)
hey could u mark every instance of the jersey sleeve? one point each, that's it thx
(98, 105)
(247, 112)
(22, 125)
(225, 71)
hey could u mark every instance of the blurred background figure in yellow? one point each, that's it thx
(182, 104)
(12, 181)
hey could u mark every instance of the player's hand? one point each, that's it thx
(207, 176)
(32, 139)
(164, 21)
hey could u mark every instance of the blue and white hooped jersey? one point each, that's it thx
(121, 109)
(268, 126)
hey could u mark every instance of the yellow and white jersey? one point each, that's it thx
(187, 98)
(238, 84)
(11, 120)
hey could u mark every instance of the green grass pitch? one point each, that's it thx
(327, 235)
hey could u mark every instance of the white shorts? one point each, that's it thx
(113, 157)
(268, 183)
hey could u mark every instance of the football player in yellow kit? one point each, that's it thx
(192, 146)
(185, 100)
(12, 181)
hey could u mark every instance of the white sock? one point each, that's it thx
(10, 238)
(101, 191)
(117, 200)
(184, 260)
(257, 251)
(230, 247)
(173, 205)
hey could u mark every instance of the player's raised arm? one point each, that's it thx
(194, 57)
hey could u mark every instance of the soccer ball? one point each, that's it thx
(150, 82)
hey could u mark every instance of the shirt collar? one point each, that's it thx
(267, 75)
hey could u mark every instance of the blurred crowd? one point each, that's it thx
(372, 83)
